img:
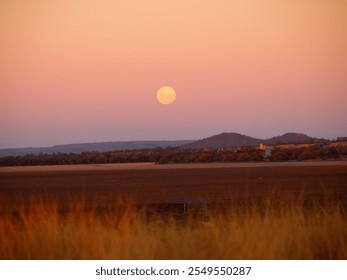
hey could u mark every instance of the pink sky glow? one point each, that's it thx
(88, 71)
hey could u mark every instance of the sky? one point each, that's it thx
(77, 71)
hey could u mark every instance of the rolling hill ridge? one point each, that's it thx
(93, 147)
(236, 140)
(223, 140)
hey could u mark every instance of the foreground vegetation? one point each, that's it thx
(267, 229)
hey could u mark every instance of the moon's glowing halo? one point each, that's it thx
(166, 95)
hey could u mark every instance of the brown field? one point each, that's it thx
(235, 211)
(160, 183)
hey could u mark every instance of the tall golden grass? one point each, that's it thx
(248, 230)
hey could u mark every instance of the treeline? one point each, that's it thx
(83, 158)
(314, 152)
(179, 155)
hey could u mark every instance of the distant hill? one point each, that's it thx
(98, 147)
(290, 138)
(224, 140)
(234, 140)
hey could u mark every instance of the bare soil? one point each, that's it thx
(150, 183)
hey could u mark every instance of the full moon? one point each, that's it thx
(166, 95)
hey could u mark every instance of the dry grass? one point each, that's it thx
(266, 230)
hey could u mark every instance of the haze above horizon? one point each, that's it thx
(88, 71)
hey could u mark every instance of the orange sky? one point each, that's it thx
(85, 70)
